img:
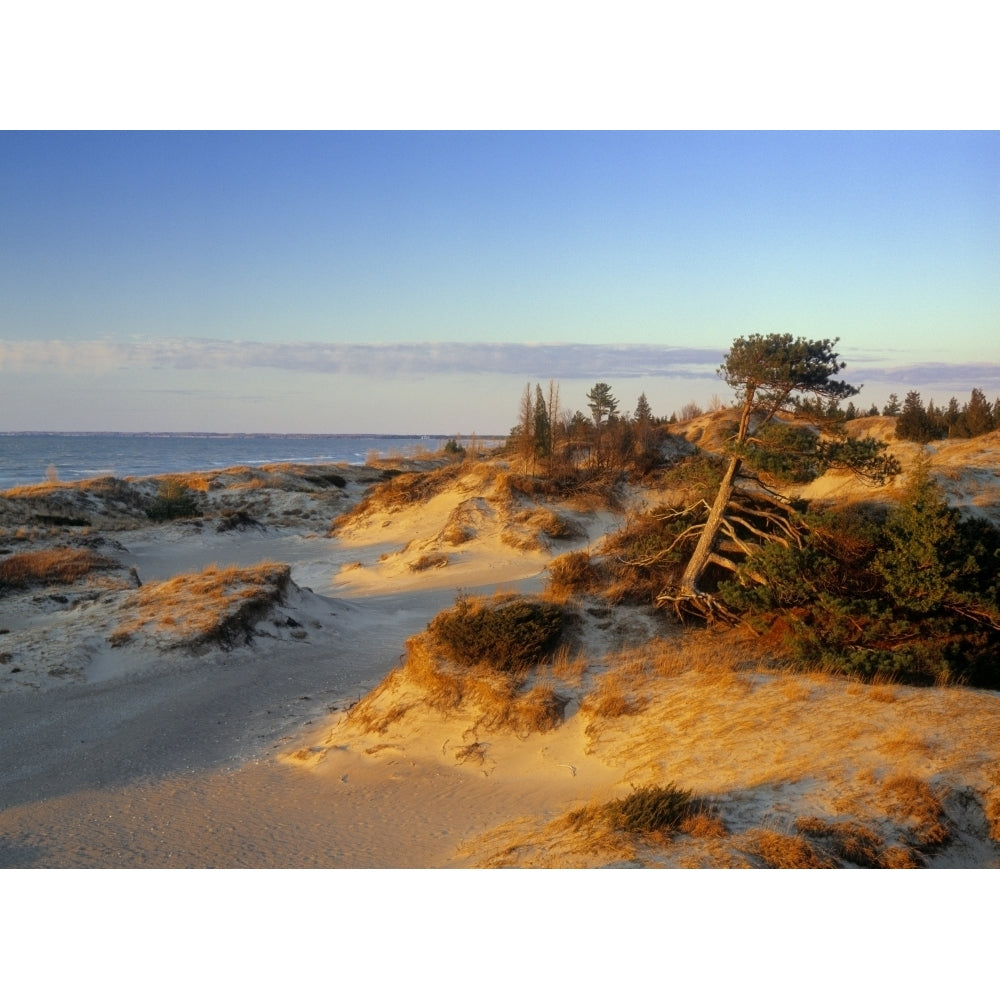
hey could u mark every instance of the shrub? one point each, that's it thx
(510, 633)
(650, 809)
(173, 501)
(572, 573)
(236, 520)
(912, 593)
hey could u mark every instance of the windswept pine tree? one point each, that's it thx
(770, 376)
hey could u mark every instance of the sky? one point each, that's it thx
(414, 282)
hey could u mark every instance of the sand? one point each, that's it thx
(155, 754)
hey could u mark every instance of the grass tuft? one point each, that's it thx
(48, 566)
(215, 605)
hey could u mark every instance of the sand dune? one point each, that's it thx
(294, 735)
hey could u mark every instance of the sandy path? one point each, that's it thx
(174, 763)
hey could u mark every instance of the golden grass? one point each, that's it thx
(47, 566)
(858, 844)
(34, 491)
(199, 482)
(216, 604)
(429, 560)
(614, 695)
(783, 850)
(515, 701)
(642, 824)
(569, 666)
(911, 799)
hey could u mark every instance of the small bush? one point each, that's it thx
(647, 810)
(573, 573)
(651, 808)
(173, 501)
(236, 520)
(510, 634)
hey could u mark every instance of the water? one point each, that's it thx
(26, 459)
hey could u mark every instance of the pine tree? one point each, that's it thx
(768, 374)
(978, 414)
(913, 423)
(602, 406)
(542, 431)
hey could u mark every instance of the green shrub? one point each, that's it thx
(913, 593)
(173, 501)
(510, 634)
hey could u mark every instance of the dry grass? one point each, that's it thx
(912, 800)
(494, 700)
(398, 492)
(48, 566)
(783, 850)
(992, 810)
(601, 833)
(35, 491)
(615, 694)
(569, 666)
(197, 482)
(857, 844)
(215, 605)
(572, 573)
(429, 560)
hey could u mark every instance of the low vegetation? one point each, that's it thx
(44, 567)
(214, 606)
(174, 500)
(478, 658)
(911, 592)
(510, 634)
(650, 809)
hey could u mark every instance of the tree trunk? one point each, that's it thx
(706, 543)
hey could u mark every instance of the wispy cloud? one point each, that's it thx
(395, 360)
(378, 360)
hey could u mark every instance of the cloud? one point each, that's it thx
(929, 375)
(540, 361)
(394, 360)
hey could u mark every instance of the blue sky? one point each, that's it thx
(397, 282)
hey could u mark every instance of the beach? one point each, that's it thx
(292, 735)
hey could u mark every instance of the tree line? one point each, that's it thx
(916, 422)
(548, 439)
(912, 592)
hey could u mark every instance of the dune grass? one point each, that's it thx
(215, 605)
(43, 567)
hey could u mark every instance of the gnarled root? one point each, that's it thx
(696, 604)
